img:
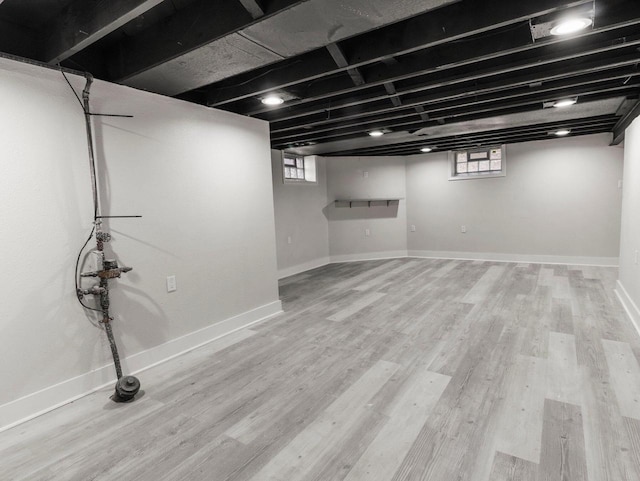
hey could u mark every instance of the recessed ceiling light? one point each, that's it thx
(272, 100)
(565, 103)
(426, 149)
(562, 132)
(376, 133)
(571, 25)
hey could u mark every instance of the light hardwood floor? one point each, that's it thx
(394, 370)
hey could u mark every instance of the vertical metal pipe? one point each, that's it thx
(92, 161)
(104, 296)
(114, 348)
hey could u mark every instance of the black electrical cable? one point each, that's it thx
(71, 87)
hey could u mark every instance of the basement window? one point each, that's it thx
(478, 163)
(298, 169)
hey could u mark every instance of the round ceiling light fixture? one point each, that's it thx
(376, 133)
(565, 103)
(568, 26)
(426, 149)
(272, 100)
(562, 132)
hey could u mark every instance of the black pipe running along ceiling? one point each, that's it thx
(443, 74)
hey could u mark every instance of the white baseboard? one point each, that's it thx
(534, 258)
(368, 256)
(306, 266)
(629, 306)
(45, 400)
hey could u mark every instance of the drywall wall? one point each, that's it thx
(302, 231)
(629, 274)
(200, 178)
(560, 201)
(366, 178)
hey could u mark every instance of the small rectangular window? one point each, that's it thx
(298, 169)
(477, 163)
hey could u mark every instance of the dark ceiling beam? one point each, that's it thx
(205, 57)
(199, 23)
(620, 128)
(570, 87)
(341, 61)
(599, 124)
(451, 110)
(409, 126)
(420, 110)
(449, 24)
(253, 7)
(453, 113)
(442, 90)
(437, 61)
(421, 32)
(314, 64)
(445, 143)
(391, 90)
(17, 40)
(83, 23)
(462, 144)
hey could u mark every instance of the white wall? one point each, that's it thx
(200, 178)
(629, 274)
(366, 178)
(560, 201)
(299, 216)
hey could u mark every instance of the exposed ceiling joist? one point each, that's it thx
(423, 115)
(17, 40)
(443, 58)
(449, 24)
(408, 120)
(620, 128)
(492, 137)
(445, 24)
(447, 113)
(391, 90)
(341, 61)
(84, 23)
(466, 126)
(202, 57)
(253, 7)
(466, 85)
(201, 22)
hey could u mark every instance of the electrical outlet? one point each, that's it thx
(289, 240)
(171, 284)
(365, 175)
(463, 229)
(413, 228)
(620, 184)
(367, 232)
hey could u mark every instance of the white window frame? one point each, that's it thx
(454, 175)
(309, 166)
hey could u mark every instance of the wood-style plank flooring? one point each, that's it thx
(392, 370)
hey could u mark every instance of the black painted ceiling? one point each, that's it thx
(439, 73)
